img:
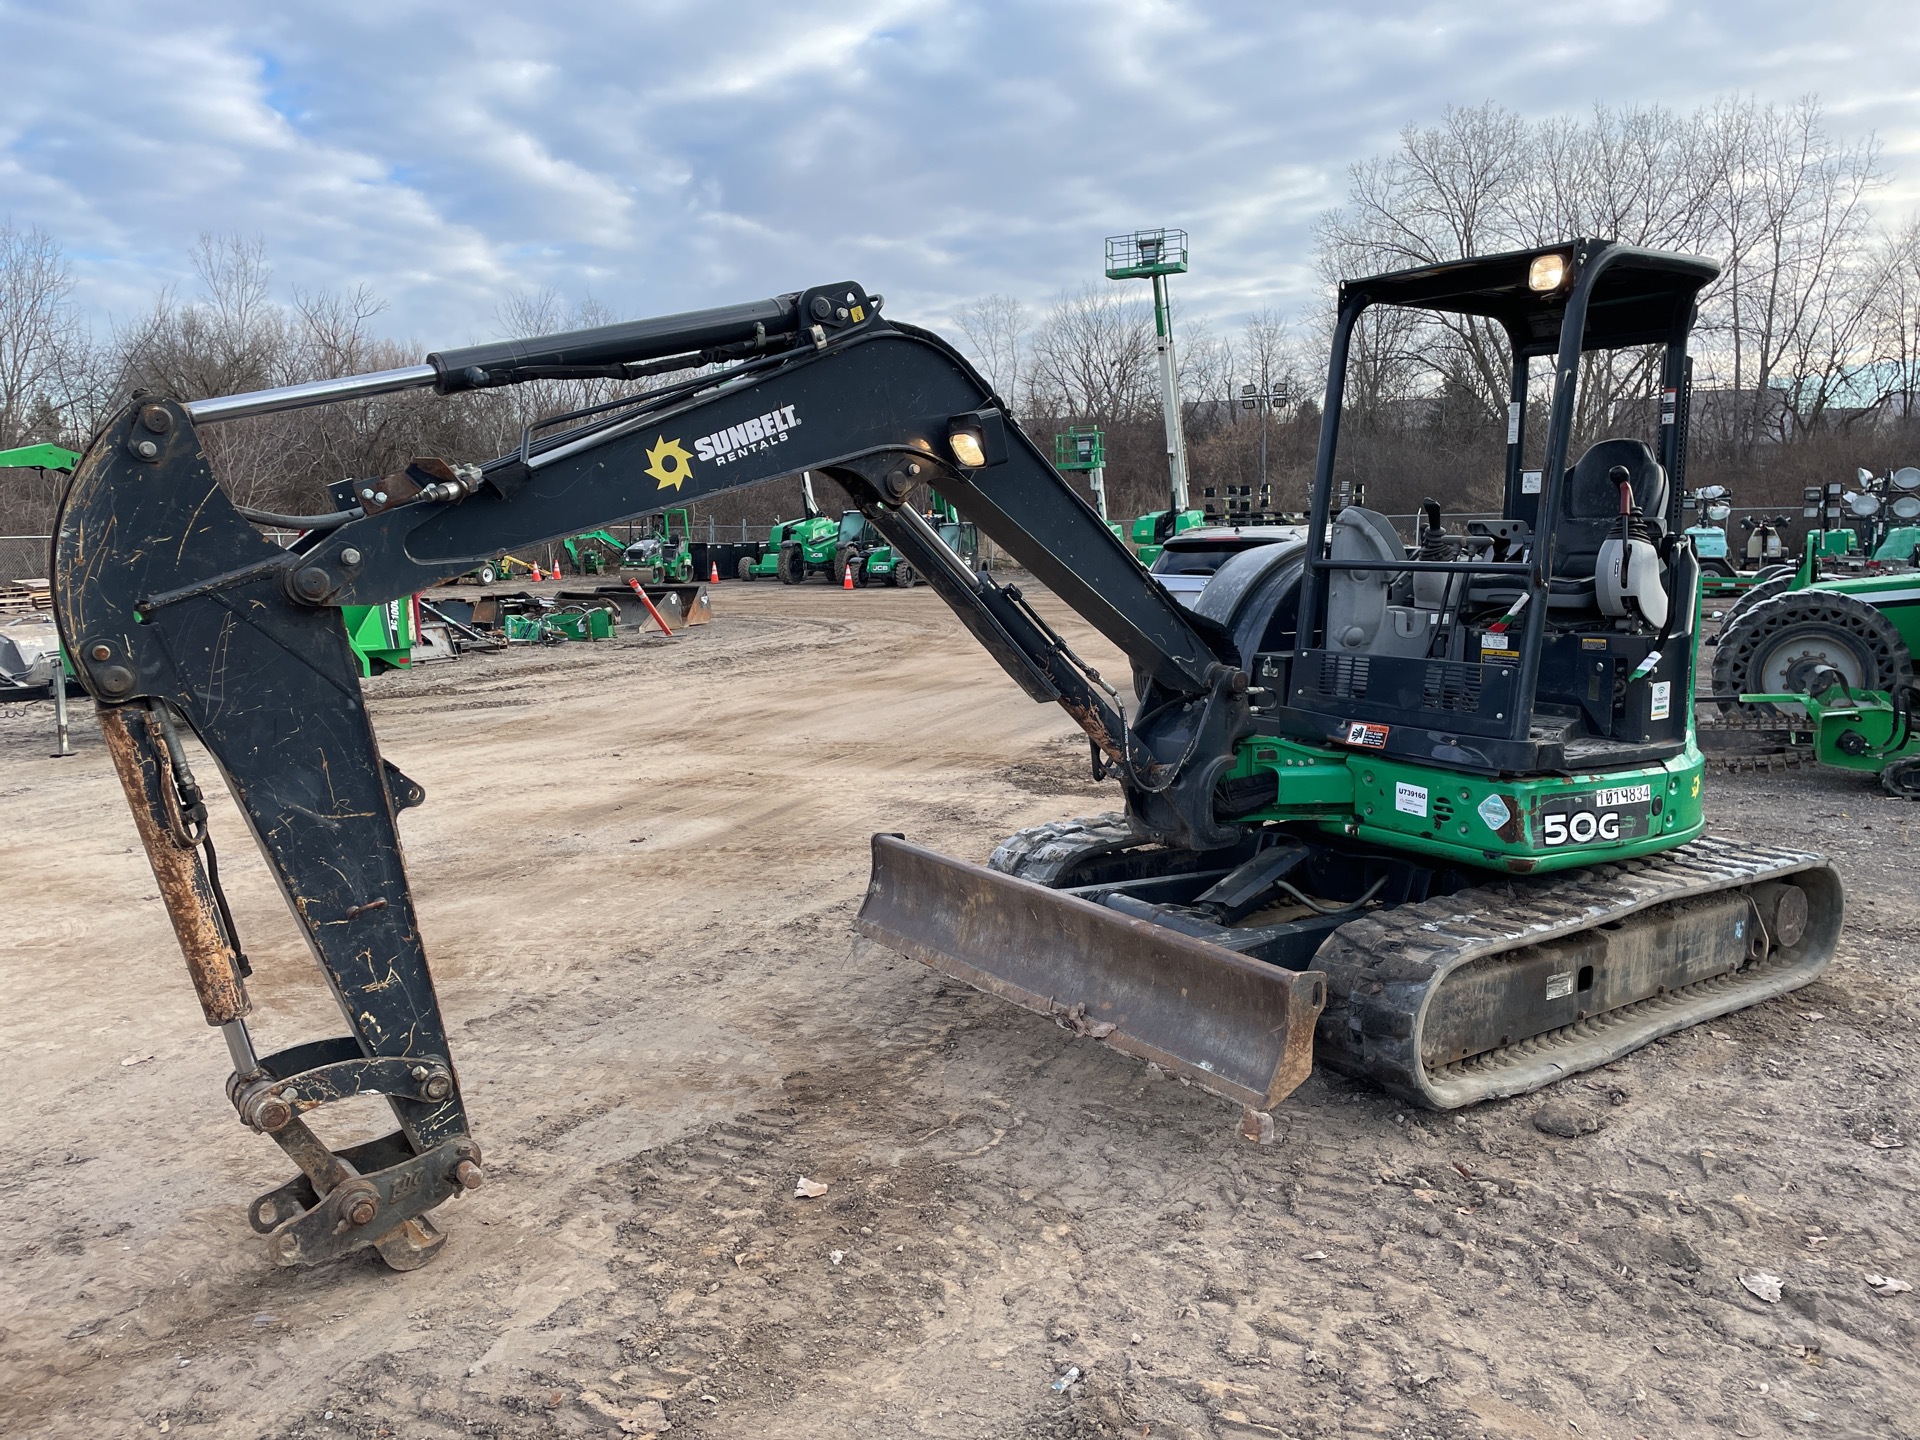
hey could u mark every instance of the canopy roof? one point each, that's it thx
(1637, 297)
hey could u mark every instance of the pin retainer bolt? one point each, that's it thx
(271, 1113)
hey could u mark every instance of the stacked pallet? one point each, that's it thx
(23, 597)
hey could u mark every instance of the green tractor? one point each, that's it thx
(1792, 627)
(873, 560)
(796, 549)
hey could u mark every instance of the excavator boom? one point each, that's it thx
(184, 617)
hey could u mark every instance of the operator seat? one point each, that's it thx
(1590, 512)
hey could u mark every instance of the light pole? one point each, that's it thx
(1154, 255)
(1266, 397)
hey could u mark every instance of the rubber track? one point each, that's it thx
(1046, 853)
(1381, 968)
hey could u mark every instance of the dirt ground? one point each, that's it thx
(637, 870)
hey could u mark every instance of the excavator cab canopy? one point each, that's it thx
(1638, 297)
(1558, 637)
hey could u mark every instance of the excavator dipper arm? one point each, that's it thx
(181, 616)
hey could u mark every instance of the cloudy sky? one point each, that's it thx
(664, 156)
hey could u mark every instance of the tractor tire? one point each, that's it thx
(1778, 642)
(486, 574)
(744, 569)
(1901, 779)
(793, 565)
(1764, 589)
(904, 576)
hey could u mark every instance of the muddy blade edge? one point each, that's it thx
(1240, 1028)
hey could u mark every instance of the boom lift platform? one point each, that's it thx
(1450, 798)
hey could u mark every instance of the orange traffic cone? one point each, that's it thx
(846, 577)
(714, 579)
(537, 576)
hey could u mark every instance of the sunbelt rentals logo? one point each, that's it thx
(669, 463)
(736, 442)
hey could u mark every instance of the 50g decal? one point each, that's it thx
(1579, 827)
(1597, 817)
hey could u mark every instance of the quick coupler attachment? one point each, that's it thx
(376, 1194)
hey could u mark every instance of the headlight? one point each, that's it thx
(967, 447)
(1546, 272)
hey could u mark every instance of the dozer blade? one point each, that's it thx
(1240, 1028)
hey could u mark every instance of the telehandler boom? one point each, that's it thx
(1430, 793)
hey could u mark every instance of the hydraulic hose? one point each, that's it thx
(331, 521)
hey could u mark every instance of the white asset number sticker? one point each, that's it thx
(1411, 799)
(1660, 703)
(1622, 795)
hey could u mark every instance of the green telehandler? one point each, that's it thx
(56, 458)
(796, 549)
(873, 561)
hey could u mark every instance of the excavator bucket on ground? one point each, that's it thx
(1237, 1027)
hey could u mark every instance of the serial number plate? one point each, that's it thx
(1623, 812)
(1623, 795)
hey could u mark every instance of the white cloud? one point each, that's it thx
(672, 155)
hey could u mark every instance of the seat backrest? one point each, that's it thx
(1590, 501)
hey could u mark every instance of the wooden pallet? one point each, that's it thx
(25, 596)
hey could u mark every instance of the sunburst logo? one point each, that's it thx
(668, 462)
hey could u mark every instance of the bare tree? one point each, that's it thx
(1790, 335)
(1794, 225)
(1093, 357)
(995, 327)
(42, 339)
(1896, 326)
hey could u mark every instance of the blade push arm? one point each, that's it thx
(177, 609)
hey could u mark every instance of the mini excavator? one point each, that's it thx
(1431, 813)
